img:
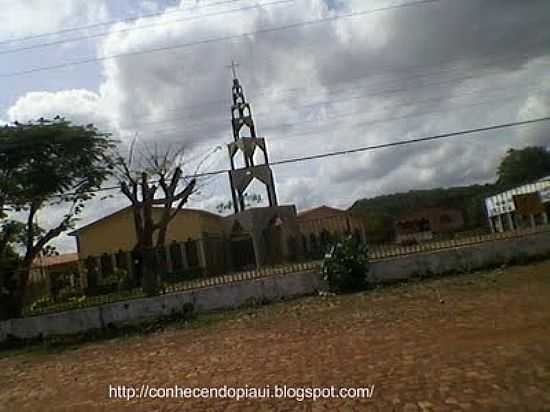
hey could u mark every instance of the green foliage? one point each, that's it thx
(46, 163)
(61, 287)
(346, 266)
(9, 264)
(516, 168)
(41, 303)
(249, 200)
(469, 199)
(58, 282)
(52, 158)
(118, 280)
(523, 166)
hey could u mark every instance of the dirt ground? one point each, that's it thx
(478, 342)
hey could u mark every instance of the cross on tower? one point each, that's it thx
(233, 66)
(240, 178)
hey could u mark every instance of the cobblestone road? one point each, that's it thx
(476, 342)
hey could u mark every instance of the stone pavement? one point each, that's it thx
(477, 342)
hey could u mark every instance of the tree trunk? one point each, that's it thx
(161, 238)
(8, 288)
(16, 301)
(8, 307)
(151, 280)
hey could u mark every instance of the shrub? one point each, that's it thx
(41, 303)
(117, 280)
(346, 266)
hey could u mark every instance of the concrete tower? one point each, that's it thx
(245, 144)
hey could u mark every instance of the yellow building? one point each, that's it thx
(203, 242)
(116, 232)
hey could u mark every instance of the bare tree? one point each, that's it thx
(156, 181)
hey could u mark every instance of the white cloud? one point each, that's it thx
(32, 17)
(355, 82)
(79, 106)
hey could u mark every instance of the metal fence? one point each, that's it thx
(76, 302)
(391, 251)
(193, 264)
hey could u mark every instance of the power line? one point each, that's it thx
(112, 22)
(383, 93)
(287, 95)
(219, 39)
(401, 117)
(404, 104)
(495, 98)
(364, 148)
(346, 114)
(142, 27)
(412, 141)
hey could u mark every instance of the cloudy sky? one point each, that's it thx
(321, 75)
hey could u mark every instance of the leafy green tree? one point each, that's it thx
(523, 166)
(45, 163)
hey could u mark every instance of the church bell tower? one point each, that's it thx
(245, 143)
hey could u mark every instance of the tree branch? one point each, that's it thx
(184, 195)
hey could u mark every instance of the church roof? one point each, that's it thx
(47, 261)
(320, 212)
(129, 208)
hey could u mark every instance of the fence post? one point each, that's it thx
(201, 251)
(129, 264)
(99, 267)
(92, 275)
(113, 262)
(82, 275)
(184, 261)
(169, 266)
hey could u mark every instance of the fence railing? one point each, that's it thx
(240, 276)
(390, 251)
(171, 282)
(77, 302)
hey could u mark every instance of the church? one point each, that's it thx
(251, 237)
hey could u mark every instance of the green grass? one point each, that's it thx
(86, 302)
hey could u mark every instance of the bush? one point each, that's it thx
(117, 280)
(346, 266)
(41, 303)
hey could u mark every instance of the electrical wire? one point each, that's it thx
(274, 29)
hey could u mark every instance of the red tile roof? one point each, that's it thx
(46, 261)
(320, 212)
